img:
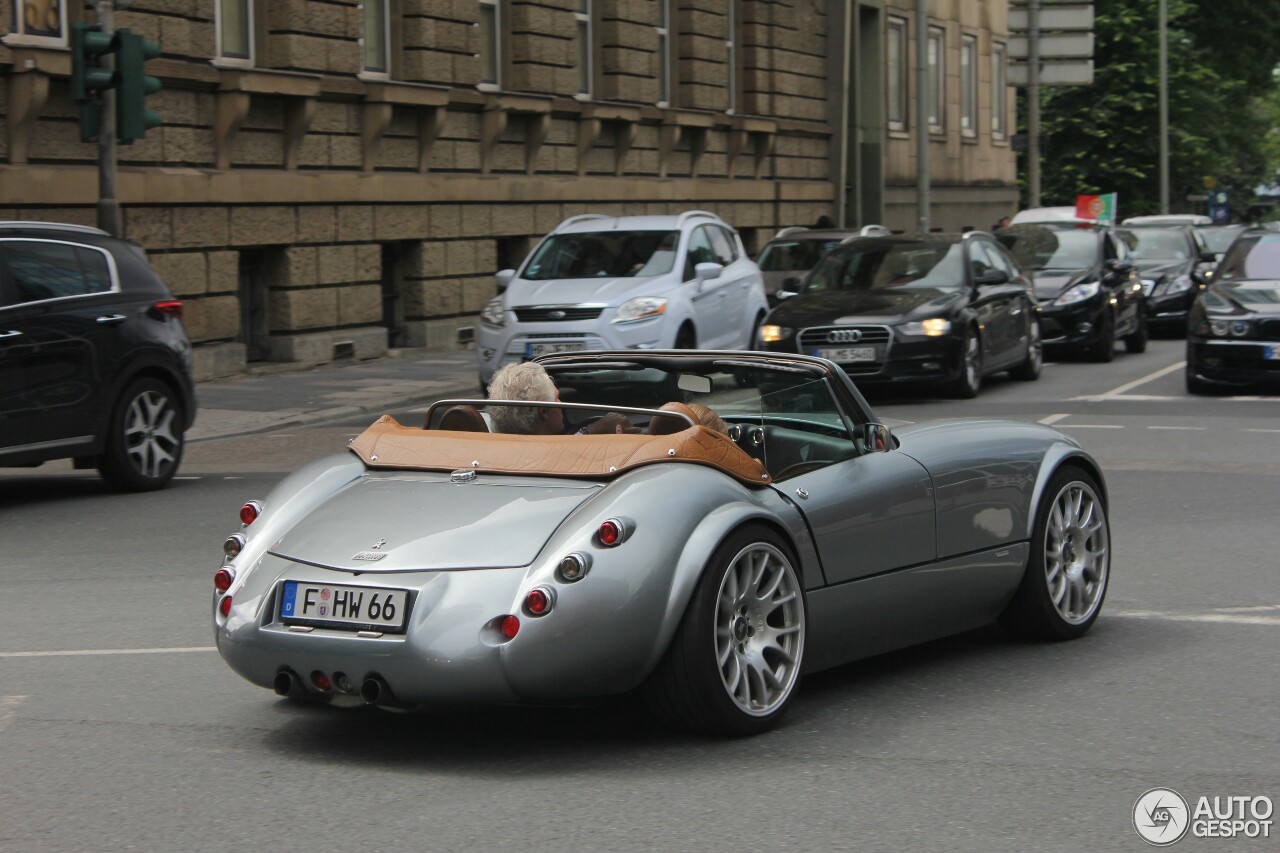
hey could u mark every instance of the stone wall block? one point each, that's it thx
(301, 267)
(401, 221)
(460, 257)
(199, 226)
(359, 304)
(429, 260)
(355, 222)
(185, 272)
(211, 318)
(432, 298)
(317, 223)
(261, 226)
(476, 293)
(224, 271)
(513, 218)
(368, 263)
(149, 226)
(337, 264)
(291, 310)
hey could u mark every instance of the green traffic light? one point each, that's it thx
(133, 119)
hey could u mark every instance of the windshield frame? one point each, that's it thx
(548, 245)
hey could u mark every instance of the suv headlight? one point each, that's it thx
(1078, 293)
(640, 308)
(932, 328)
(493, 313)
(774, 334)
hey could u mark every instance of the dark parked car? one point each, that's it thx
(792, 253)
(94, 362)
(1233, 332)
(1089, 293)
(1216, 239)
(1168, 260)
(946, 308)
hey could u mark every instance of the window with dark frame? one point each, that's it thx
(235, 30)
(897, 74)
(999, 90)
(582, 20)
(664, 52)
(376, 36)
(42, 22)
(937, 78)
(490, 44)
(968, 85)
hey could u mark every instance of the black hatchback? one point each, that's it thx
(94, 363)
(945, 309)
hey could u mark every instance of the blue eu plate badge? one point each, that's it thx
(290, 596)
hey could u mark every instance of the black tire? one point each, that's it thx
(969, 382)
(688, 689)
(686, 338)
(1033, 613)
(1029, 369)
(1136, 341)
(144, 441)
(1103, 349)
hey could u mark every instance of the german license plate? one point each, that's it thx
(347, 608)
(845, 355)
(534, 350)
(1271, 353)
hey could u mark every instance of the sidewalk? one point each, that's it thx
(243, 405)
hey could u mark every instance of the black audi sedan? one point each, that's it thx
(1233, 331)
(1088, 291)
(94, 363)
(946, 309)
(1168, 260)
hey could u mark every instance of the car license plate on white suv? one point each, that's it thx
(846, 355)
(347, 608)
(534, 350)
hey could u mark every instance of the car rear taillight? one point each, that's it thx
(611, 532)
(249, 512)
(539, 601)
(510, 627)
(224, 606)
(321, 681)
(169, 308)
(222, 579)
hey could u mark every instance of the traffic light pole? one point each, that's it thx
(1033, 103)
(109, 218)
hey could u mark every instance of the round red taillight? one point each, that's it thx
(224, 606)
(222, 579)
(538, 601)
(249, 512)
(321, 681)
(510, 627)
(610, 533)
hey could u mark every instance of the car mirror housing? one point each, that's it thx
(707, 271)
(504, 279)
(790, 287)
(876, 438)
(991, 277)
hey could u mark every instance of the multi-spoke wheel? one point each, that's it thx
(735, 660)
(1029, 369)
(1070, 564)
(966, 385)
(145, 438)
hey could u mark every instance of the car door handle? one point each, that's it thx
(110, 319)
(12, 333)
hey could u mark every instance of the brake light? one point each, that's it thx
(321, 681)
(611, 532)
(169, 308)
(539, 600)
(222, 579)
(224, 606)
(510, 627)
(249, 512)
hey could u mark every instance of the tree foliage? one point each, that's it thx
(1105, 137)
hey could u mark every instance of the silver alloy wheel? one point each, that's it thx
(1077, 553)
(971, 366)
(759, 629)
(1036, 347)
(148, 433)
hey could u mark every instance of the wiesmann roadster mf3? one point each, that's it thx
(704, 568)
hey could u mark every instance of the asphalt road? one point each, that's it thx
(120, 728)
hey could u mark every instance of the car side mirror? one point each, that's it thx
(876, 438)
(504, 279)
(790, 287)
(991, 277)
(707, 271)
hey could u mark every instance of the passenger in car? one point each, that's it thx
(530, 381)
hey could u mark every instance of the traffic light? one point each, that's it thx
(89, 78)
(133, 119)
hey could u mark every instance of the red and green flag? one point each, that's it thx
(1099, 207)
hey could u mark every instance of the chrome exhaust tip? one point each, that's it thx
(288, 684)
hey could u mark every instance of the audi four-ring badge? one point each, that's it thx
(700, 563)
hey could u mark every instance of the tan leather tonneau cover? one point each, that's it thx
(388, 444)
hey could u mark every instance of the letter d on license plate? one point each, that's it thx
(345, 608)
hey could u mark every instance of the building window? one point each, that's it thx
(40, 22)
(731, 57)
(377, 37)
(490, 44)
(582, 18)
(235, 30)
(937, 78)
(664, 53)
(999, 90)
(968, 85)
(897, 74)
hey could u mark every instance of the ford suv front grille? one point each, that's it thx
(557, 313)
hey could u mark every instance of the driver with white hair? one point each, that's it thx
(530, 381)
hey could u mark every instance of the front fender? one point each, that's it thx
(1055, 457)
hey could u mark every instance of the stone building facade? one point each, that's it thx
(334, 177)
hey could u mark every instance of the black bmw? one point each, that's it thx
(945, 309)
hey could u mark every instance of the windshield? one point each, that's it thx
(1218, 240)
(604, 254)
(1051, 248)
(1156, 244)
(922, 265)
(1252, 256)
(794, 255)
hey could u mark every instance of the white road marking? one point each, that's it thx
(1253, 609)
(1224, 618)
(1250, 429)
(1177, 427)
(1092, 426)
(188, 478)
(233, 478)
(71, 653)
(8, 708)
(1128, 386)
(1053, 419)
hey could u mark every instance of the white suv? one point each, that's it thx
(627, 282)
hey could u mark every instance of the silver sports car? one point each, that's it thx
(757, 524)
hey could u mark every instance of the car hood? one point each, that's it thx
(426, 522)
(574, 291)
(886, 305)
(1259, 297)
(1050, 283)
(1156, 269)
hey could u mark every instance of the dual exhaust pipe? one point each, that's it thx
(374, 690)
